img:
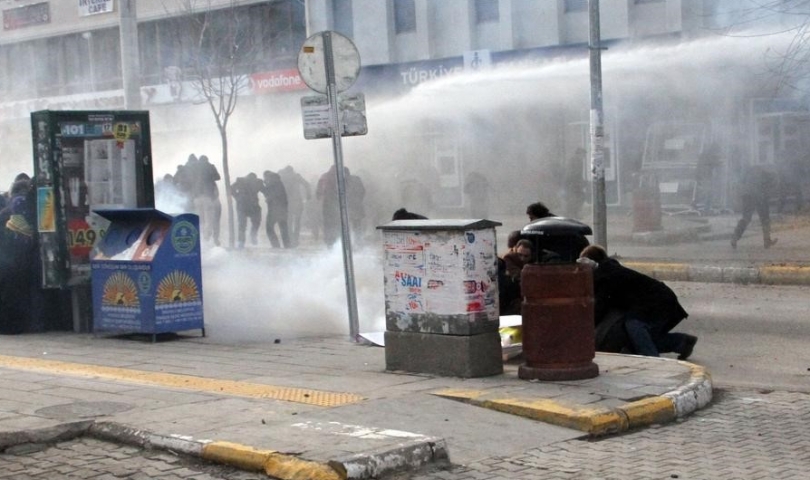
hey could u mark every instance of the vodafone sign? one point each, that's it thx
(278, 81)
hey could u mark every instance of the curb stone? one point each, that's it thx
(765, 275)
(693, 395)
(405, 456)
(57, 433)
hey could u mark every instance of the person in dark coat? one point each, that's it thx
(355, 203)
(403, 214)
(518, 257)
(510, 267)
(327, 194)
(276, 197)
(245, 191)
(650, 309)
(476, 188)
(298, 193)
(207, 199)
(757, 186)
(17, 254)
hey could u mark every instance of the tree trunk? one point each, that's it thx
(223, 132)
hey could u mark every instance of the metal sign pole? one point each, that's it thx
(334, 114)
(597, 129)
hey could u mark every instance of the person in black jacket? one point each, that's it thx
(650, 309)
(275, 195)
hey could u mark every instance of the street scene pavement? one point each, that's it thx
(323, 406)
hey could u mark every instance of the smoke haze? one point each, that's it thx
(511, 115)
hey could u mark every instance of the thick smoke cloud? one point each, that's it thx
(509, 123)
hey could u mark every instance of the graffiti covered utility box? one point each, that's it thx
(84, 161)
(441, 297)
(146, 273)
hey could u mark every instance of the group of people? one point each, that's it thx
(633, 313)
(285, 194)
(288, 199)
(196, 182)
(326, 193)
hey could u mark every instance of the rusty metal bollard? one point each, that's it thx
(557, 310)
(558, 331)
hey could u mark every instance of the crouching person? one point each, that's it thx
(646, 308)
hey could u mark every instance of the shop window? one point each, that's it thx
(576, 5)
(486, 11)
(404, 16)
(343, 17)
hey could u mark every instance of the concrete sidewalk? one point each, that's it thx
(315, 407)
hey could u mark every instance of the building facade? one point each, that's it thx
(66, 55)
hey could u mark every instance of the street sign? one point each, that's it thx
(329, 63)
(312, 62)
(318, 124)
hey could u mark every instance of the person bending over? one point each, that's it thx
(649, 309)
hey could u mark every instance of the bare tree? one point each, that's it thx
(789, 64)
(215, 44)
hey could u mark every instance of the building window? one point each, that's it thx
(576, 5)
(486, 11)
(404, 16)
(343, 17)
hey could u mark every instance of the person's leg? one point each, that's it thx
(270, 228)
(241, 218)
(748, 204)
(763, 211)
(255, 220)
(640, 337)
(283, 229)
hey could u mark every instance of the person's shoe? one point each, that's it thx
(688, 346)
(734, 243)
(771, 242)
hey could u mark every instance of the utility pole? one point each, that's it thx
(597, 129)
(130, 58)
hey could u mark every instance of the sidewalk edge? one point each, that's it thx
(695, 394)
(767, 275)
(408, 455)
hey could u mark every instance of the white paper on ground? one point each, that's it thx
(377, 338)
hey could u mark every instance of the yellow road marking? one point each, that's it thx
(187, 382)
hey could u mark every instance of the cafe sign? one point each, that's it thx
(94, 7)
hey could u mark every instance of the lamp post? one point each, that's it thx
(92, 64)
(130, 64)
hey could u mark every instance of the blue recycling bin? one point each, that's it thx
(146, 273)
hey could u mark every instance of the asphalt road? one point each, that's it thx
(750, 335)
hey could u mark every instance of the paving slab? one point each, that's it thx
(377, 421)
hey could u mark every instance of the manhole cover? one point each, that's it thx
(83, 409)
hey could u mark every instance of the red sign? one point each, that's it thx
(278, 81)
(34, 14)
(81, 238)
